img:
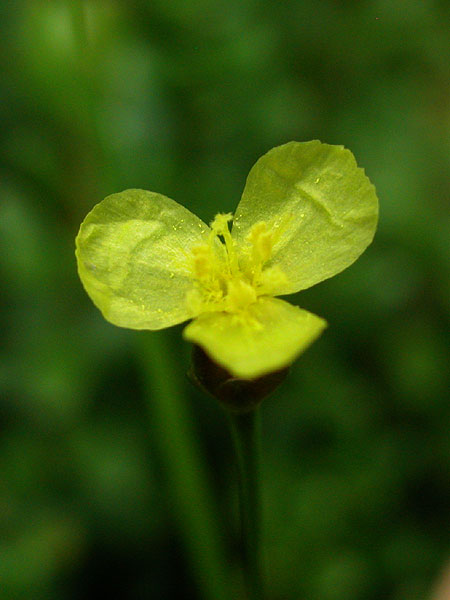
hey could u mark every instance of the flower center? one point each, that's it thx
(230, 278)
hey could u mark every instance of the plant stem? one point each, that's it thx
(183, 463)
(245, 430)
(193, 506)
(86, 100)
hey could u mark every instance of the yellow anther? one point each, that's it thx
(219, 227)
(270, 280)
(262, 243)
(256, 231)
(219, 224)
(222, 281)
(263, 246)
(203, 261)
(240, 295)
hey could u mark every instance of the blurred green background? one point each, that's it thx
(116, 475)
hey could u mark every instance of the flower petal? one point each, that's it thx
(132, 252)
(322, 205)
(267, 337)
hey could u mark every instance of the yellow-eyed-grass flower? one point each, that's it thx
(307, 212)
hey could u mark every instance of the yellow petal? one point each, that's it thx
(321, 208)
(268, 336)
(134, 252)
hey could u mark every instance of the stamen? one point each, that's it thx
(220, 223)
(228, 281)
(219, 227)
(261, 241)
(240, 295)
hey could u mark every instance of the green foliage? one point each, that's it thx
(183, 98)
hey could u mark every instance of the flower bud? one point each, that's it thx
(235, 395)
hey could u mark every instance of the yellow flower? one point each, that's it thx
(307, 212)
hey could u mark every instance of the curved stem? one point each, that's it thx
(245, 430)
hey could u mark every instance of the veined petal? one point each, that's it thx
(268, 336)
(322, 205)
(133, 258)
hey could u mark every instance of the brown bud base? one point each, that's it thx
(236, 395)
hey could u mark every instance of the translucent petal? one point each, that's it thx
(133, 252)
(321, 204)
(268, 337)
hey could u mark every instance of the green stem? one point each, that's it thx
(85, 105)
(245, 430)
(171, 426)
(76, 8)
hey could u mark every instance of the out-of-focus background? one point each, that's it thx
(116, 475)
